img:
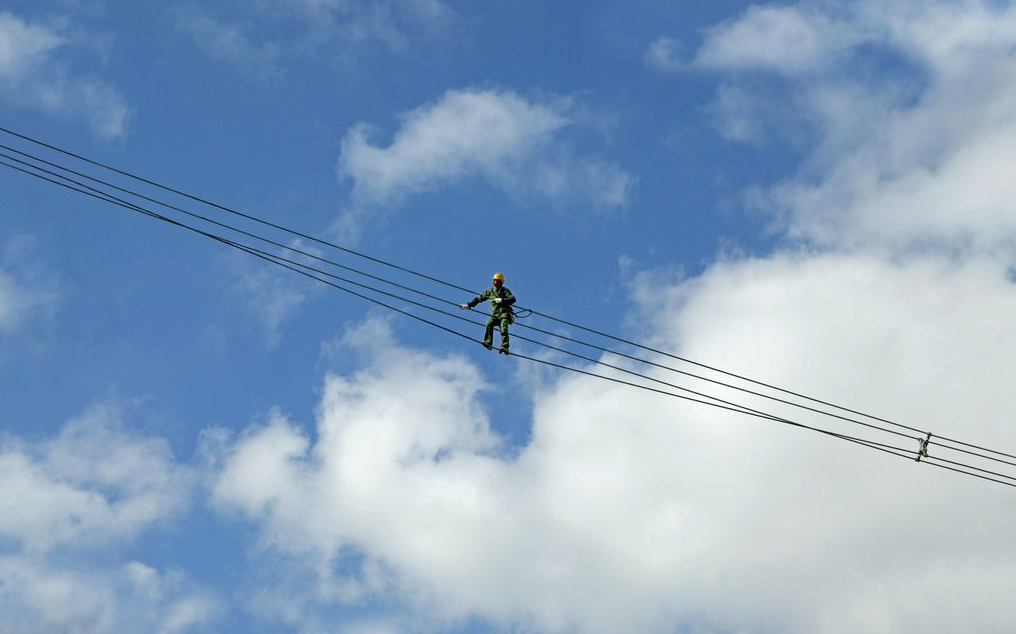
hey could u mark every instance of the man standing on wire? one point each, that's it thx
(501, 300)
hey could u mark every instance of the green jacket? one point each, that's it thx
(496, 309)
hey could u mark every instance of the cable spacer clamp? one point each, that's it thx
(922, 449)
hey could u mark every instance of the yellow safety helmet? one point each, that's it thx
(499, 276)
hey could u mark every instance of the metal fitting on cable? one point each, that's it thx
(922, 448)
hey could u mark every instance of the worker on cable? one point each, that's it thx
(501, 300)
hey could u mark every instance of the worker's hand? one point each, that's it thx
(463, 306)
(496, 300)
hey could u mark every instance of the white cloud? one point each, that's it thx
(273, 294)
(782, 39)
(37, 73)
(28, 294)
(664, 54)
(911, 153)
(232, 43)
(16, 303)
(516, 144)
(68, 505)
(393, 24)
(738, 115)
(38, 597)
(580, 181)
(371, 627)
(94, 483)
(273, 298)
(626, 512)
(900, 171)
(107, 112)
(962, 198)
(270, 292)
(341, 31)
(945, 36)
(24, 47)
(462, 133)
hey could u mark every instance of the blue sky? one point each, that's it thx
(816, 194)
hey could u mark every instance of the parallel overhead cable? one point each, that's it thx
(313, 273)
(303, 270)
(82, 186)
(937, 442)
(402, 286)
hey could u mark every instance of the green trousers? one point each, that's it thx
(488, 334)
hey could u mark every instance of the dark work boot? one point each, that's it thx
(487, 345)
(504, 349)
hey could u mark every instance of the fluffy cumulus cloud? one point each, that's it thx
(38, 597)
(625, 512)
(24, 47)
(36, 73)
(785, 39)
(913, 152)
(92, 483)
(516, 144)
(66, 504)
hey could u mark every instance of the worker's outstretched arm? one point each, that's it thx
(482, 297)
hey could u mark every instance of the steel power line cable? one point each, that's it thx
(387, 281)
(386, 263)
(79, 184)
(939, 440)
(302, 269)
(235, 212)
(289, 247)
(203, 218)
(452, 285)
(80, 187)
(900, 452)
(707, 395)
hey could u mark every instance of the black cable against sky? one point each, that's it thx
(428, 277)
(935, 442)
(292, 264)
(297, 267)
(413, 290)
(462, 288)
(116, 200)
(428, 295)
(231, 243)
(86, 189)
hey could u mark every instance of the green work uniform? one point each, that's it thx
(501, 312)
